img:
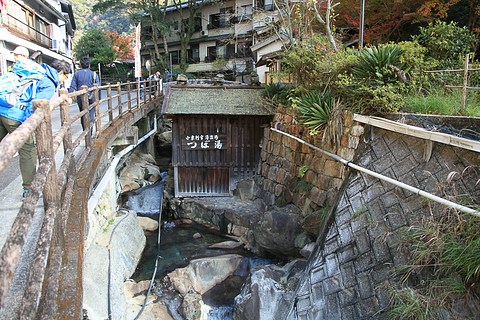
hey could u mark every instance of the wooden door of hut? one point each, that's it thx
(211, 153)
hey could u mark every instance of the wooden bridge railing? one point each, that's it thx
(57, 185)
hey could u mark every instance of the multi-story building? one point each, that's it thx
(225, 33)
(44, 27)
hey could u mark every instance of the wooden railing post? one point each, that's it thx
(86, 118)
(65, 119)
(96, 103)
(138, 92)
(150, 84)
(465, 82)
(51, 199)
(119, 92)
(129, 95)
(109, 101)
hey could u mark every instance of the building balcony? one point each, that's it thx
(23, 30)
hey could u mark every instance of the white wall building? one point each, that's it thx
(225, 30)
(43, 26)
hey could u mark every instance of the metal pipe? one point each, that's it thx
(384, 178)
(97, 193)
(362, 23)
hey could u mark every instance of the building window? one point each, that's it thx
(211, 54)
(225, 14)
(269, 5)
(175, 56)
(245, 13)
(197, 23)
(175, 25)
(42, 34)
(23, 20)
(222, 19)
(193, 54)
(214, 21)
(243, 50)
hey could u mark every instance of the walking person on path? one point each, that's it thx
(16, 106)
(85, 77)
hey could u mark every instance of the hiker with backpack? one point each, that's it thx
(26, 82)
(85, 77)
(19, 53)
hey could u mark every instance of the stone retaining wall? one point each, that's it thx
(289, 167)
(356, 257)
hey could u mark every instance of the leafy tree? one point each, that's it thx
(121, 45)
(90, 44)
(447, 43)
(104, 56)
(151, 15)
(295, 21)
(85, 19)
(324, 13)
(398, 20)
(313, 64)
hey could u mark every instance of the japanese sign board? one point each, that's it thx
(204, 142)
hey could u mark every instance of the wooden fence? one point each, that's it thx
(39, 300)
(465, 86)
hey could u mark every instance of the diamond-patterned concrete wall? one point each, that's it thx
(354, 263)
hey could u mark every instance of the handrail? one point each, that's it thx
(382, 177)
(57, 186)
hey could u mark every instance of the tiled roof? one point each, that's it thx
(219, 100)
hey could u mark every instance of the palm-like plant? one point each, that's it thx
(380, 64)
(314, 109)
(275, 90)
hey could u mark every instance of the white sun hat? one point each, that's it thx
(21, 51)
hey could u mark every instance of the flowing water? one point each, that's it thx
(177, 247)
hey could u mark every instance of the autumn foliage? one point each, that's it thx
(121, 45)
(400, 19)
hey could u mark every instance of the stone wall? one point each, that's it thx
(294, 173)
(356, 256)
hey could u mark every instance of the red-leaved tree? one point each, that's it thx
(121, 45)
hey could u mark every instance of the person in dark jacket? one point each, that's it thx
(84, 77)
(12, 117)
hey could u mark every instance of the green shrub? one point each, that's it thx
(447, 43)
(416, 58)
(380, 65)
(445, 251)
(314, 65)
(313, 109)
(276, 92)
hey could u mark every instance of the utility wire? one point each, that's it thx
(472, 135)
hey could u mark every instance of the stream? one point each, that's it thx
(180, 243)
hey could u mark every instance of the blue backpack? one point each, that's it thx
(18, 87)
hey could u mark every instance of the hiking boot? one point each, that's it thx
(25, 191)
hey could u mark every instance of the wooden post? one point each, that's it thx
(51, 197)
(65, 119)
(86, 118)
(110, 110)
(129, 96)
(96, 104)
(138, 92)
(465, 82)
(119, 92)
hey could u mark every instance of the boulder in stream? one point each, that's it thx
(203, 274)
(267, 293)
(147, 223)
(276, 233)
